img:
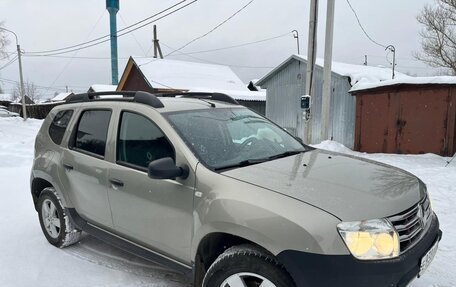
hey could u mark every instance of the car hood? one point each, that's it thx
(350, 188)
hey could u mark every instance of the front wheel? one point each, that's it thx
(55, 223)
(247, 266)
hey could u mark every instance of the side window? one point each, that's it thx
(58, 126)
(92, 131)
(140, 141)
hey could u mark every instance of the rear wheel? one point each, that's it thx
(247, 266)
(55, 223)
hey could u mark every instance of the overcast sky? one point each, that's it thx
(52, 24)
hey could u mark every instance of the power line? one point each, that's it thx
(107, 35)
(400, 58)
(75, 57)
(213, 29)
(9, 63)
(211, 62)
(84, 46)
(133, 35)
(75, 53)
(37, 86)
(362, 28)
(5, 57)
(181, 53)
(238, 45)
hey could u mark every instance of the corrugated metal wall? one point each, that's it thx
(284, 90)
(257, 106)
(411, 119)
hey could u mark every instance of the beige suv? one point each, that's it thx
(198, 183)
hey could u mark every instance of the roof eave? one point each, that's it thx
(261, 81)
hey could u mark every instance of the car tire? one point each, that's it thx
(247, 265)
(55, 223)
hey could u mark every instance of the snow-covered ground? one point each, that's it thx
(26, 259)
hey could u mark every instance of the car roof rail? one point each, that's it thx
(202, 95)
(152, 100)
(138, 97)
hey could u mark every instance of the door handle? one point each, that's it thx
(67, 166)
(116, 182)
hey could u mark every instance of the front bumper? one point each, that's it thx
(308, 269)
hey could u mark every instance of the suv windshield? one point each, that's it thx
(225, 138)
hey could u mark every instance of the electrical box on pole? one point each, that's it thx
(311, 57)
(113, 7)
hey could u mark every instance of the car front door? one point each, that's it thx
(154, 213)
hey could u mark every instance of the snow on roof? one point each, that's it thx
(6, 97)
(238, 95)
(449, 80)
(358, 74)
(163, 73)
(60, 97)
(103, 88)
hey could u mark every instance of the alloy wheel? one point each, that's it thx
(50, 218)
(247, 280)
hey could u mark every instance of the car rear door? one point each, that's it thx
(155, 213)
(84, 168)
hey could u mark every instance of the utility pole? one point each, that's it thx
(326, 100)
(157, 47)
(21, 78)
(311, 57)
(296, 36)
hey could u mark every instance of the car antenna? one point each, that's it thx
(206, 101)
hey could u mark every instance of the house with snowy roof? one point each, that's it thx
(164, 76)
(5, 99)
(286, 86)
(61, 97)
(102, 88)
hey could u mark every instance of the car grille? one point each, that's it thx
(411, 223)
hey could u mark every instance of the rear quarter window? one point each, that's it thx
(92, 132)
(59, 125)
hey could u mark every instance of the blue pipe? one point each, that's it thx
(113, 7)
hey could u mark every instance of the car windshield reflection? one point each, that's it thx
(228, 138)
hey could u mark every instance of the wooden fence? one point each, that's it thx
(36, 111)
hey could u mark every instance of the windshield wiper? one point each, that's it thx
(259, 160)
(285, 154)
(243, 163)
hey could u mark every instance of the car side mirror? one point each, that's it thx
(165, 168)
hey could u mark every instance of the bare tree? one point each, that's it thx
(3, 42)
(30, 90)
(438, 42)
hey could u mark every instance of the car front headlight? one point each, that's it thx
(370, 239)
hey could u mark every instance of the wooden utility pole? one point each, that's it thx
(157, 47)
(311, 57)
(326, 100)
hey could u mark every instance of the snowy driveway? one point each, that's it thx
(26, 259)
